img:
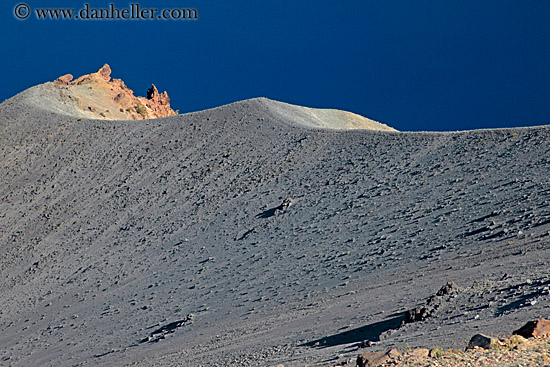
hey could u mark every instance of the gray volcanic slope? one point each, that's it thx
(157, 242)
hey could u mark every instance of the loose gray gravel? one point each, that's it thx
(157, 242)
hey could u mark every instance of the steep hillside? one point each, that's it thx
(164, 242)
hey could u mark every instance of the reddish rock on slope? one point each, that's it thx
(536, 328)
(96, 93)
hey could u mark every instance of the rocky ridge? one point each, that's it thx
(99, 96)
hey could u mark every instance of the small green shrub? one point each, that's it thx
(141, 110)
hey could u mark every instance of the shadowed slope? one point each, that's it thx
(114, 232)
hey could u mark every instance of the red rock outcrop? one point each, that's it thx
(96, 93)
(534, 329)
(64, 80)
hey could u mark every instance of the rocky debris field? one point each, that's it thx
(239, 237)
(528, 346)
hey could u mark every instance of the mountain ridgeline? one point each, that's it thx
(260, 233)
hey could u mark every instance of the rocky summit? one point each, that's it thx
(98, 96)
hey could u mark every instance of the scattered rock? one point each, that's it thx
(119, 97)
(517, 339)
(419, 313)
(64, 80)
(518, 342)
(105, 72)
(483, 341)
(534, 329)
(422, 312)
(372, 359)
(161, 332)
(448, 289)
(420, 352)
(287, 203)
(394, 353)
(366, 344)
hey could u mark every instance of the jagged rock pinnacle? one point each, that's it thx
(105, 72)
(152, 92)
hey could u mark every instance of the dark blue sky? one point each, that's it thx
(415, 65)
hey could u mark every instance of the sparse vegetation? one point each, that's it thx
(534, 352)
(141, 110)
(437, 352)
(513, 341)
